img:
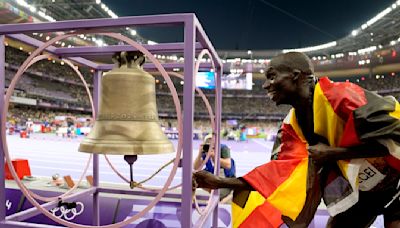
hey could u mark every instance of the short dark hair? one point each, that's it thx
(293, 60)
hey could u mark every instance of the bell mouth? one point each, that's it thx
(126, 138)
(125, 147)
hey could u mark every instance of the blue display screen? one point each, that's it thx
(205, 80)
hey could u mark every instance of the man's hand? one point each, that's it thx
(200, 149)
(204, 179)
(212, 154)
(320, 153)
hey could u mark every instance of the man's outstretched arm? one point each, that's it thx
(204, 179)
(322, 152)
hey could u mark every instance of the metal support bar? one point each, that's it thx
(96, 173)
(145, 193)
(150, 66)
(205, 41)
(153, 20)
(2, 158)
(109, 50)
(218, 112)
(188, 104)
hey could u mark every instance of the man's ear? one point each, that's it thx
(296, 74)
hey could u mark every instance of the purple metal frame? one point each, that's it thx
(2, 163)
(192, 31)
(96, 178)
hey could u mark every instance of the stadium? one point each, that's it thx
(53, 58)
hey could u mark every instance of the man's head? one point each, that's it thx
(225, 151)
(286, 75)
(207, 139)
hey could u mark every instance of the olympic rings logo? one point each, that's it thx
(68, 214)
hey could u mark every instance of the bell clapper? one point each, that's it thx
(130, 159)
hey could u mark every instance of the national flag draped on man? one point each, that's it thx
(288, 187)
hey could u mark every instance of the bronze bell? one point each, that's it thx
(127, 122)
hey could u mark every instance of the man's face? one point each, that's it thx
(280, 85)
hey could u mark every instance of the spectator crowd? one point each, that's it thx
(55, 86)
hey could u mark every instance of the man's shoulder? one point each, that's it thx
(344, 97)
(327, 83)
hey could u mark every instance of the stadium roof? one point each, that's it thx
(17, 11)
(381, 31)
